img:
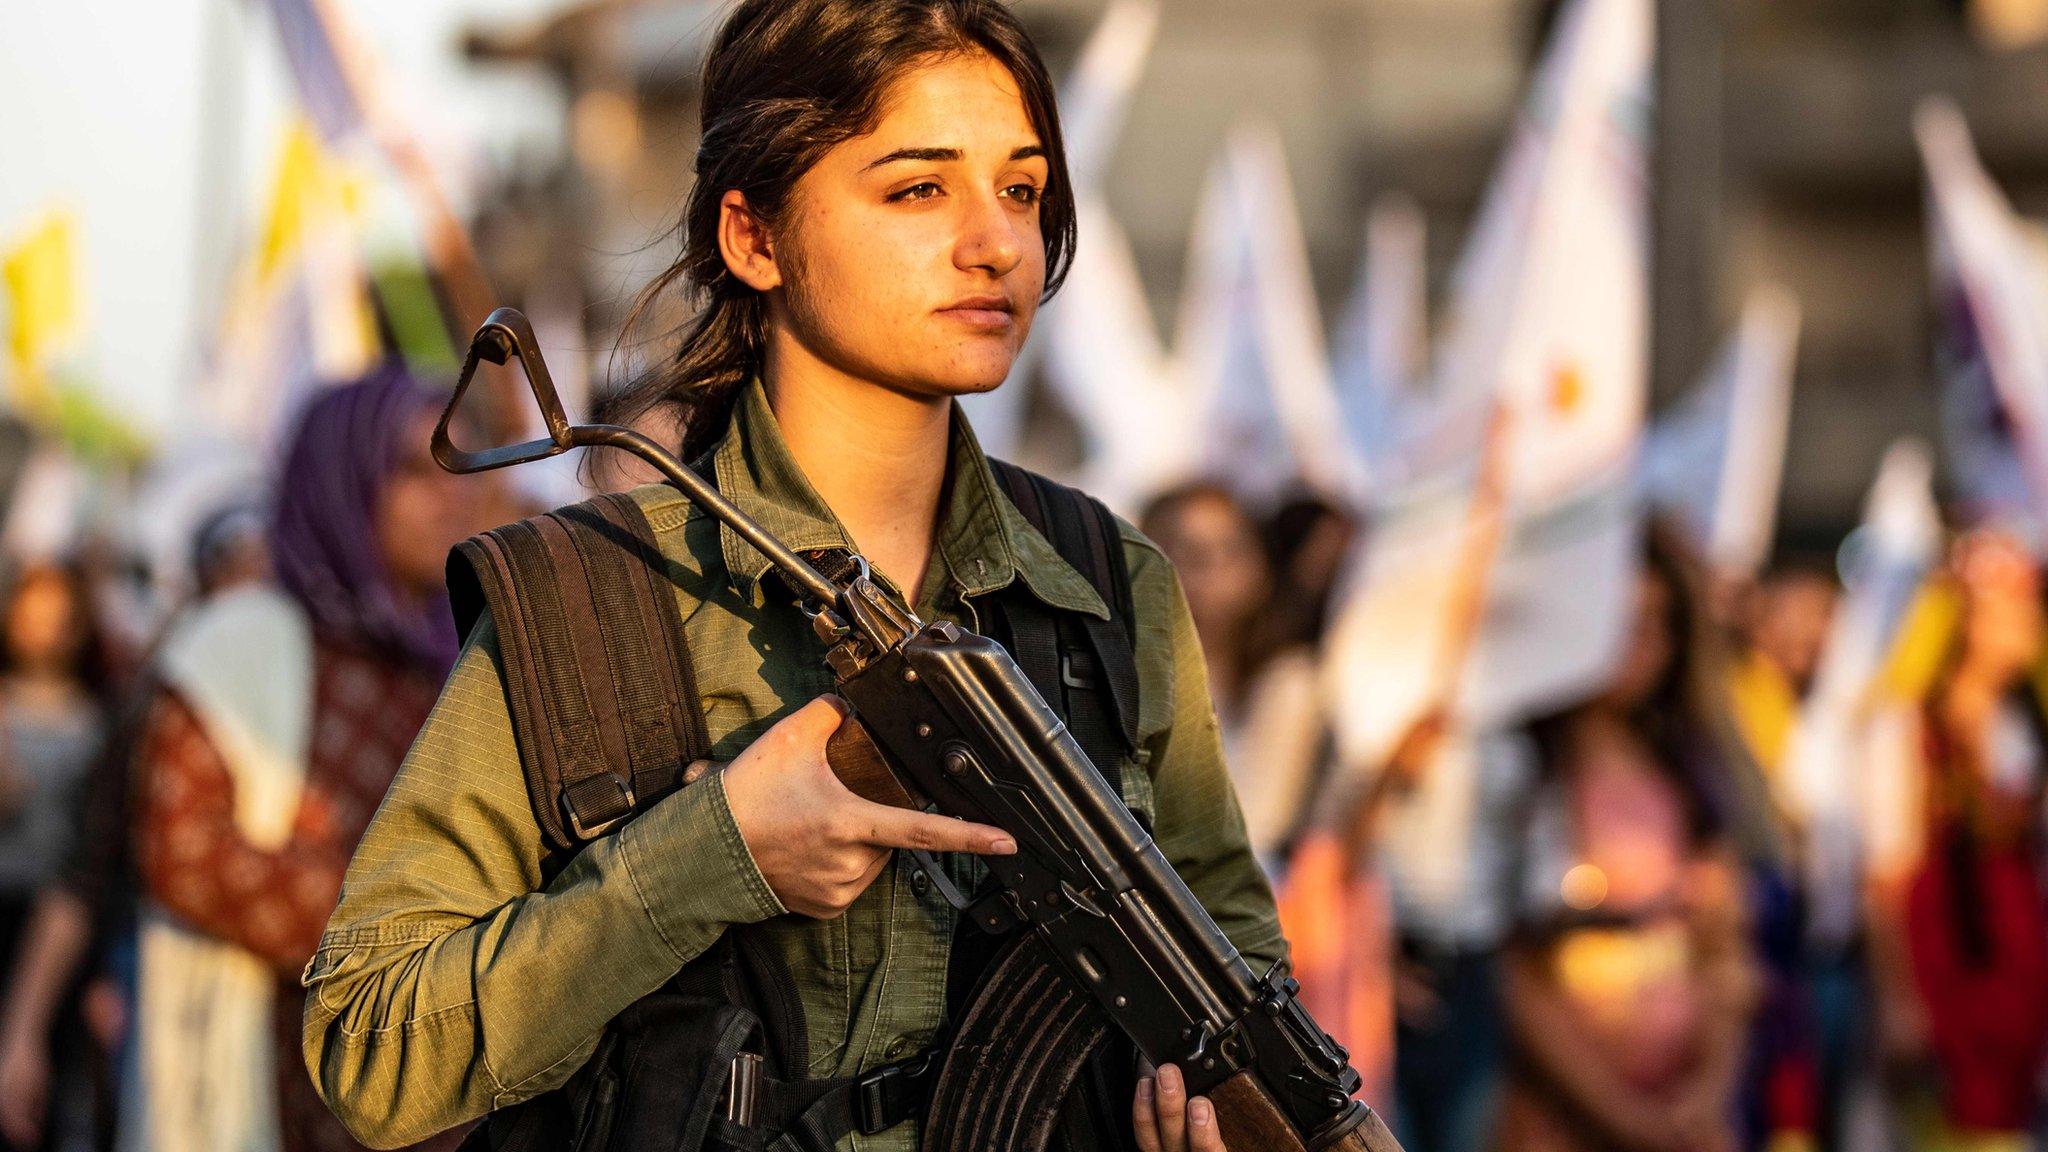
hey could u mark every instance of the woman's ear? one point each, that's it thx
(744, 242)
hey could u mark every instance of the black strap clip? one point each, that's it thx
(887, 1096)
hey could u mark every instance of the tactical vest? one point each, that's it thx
(607, 716)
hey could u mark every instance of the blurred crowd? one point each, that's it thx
(187, 759)
(1656, 941)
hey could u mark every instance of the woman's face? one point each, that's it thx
(911, 257)
(424, 511)
(1651, 647)
(1222, 567)
(42, 620)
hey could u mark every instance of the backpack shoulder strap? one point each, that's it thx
(602, 694)
(1085, 534)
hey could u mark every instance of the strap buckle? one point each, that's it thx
(622, 795)
(885, 1097)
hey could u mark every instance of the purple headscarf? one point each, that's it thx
(323, 536)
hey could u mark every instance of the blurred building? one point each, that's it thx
(1786, 125)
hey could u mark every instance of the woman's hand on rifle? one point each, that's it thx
(1168, 1121)
(817, 844)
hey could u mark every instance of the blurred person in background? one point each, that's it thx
(1785, 630)
(83, 923)
(1263, 685)
(52, 726)
(1307, 540)
(1628, 986)
(283, 713)
(1959, 938)
(1813, 992)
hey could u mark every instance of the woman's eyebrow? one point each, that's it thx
(944, 155)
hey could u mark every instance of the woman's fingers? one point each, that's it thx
(1171, 1095)
(1165, 1120)
(1203, 1133)
(886, 827)
(1144, 1119)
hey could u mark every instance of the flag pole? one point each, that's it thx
(1465, 610)
(450, 251)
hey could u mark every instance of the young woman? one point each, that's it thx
(1628, 985)
(1264, 686)
(881, 204)
(282, 713)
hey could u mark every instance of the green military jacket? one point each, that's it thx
(452, 980)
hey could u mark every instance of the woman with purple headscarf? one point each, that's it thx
(285, 712)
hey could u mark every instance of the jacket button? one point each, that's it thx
(898, 1048)
(919, 882)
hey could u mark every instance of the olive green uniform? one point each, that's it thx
(452, 980)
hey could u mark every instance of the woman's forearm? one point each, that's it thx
(54, 945)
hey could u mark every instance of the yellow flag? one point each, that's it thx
(309, 190)
(41, 273)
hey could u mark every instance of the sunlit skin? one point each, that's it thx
(907, 272)
(43, 632)
(423, 511)
(2000, 644)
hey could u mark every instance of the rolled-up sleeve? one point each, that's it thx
(1197, 821)
(450, 980)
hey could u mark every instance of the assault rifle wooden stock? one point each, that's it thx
(1107, 934)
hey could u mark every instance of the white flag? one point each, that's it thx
(1381, 342)
(1095, 100)
(1106, 364)
(1889, 557)
(1094, 103)
(1714, 463)
(1250, 339)
(1994, 292)
(1549, 323)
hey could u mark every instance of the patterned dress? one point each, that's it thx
(196, 864)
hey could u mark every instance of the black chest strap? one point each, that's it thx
(606, 712)
(1082, 664)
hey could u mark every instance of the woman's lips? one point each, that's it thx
(990, 314)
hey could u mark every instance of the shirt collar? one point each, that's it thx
(984, 542)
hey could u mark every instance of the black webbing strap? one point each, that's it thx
(1086, 536)
(603, 698)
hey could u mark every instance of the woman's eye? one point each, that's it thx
(1026, 194)
(924, 191)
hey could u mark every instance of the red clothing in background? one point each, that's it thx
(195, 862)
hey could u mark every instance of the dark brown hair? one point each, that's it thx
(1685, 720)
(787, 81)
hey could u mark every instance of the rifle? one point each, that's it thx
(1107, 934)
